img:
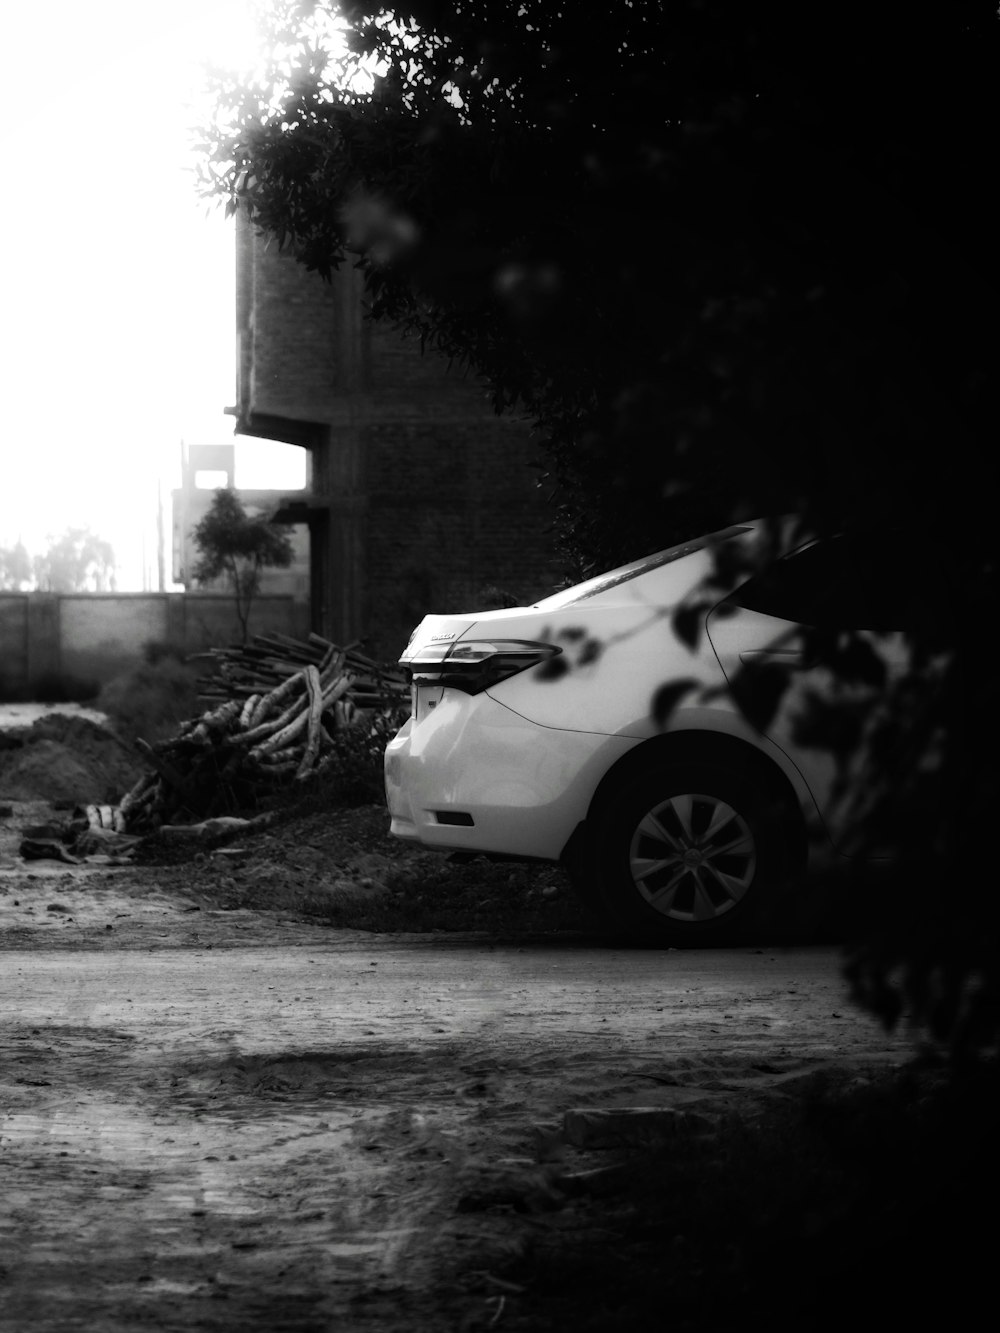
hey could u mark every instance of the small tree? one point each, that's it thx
(234, 545)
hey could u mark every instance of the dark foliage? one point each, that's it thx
(722, 258)
(730, 260)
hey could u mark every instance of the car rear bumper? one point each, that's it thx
(474, 776)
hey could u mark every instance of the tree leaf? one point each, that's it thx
(857, 660)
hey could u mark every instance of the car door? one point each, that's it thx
(825, 629)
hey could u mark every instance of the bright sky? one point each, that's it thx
(117, 321)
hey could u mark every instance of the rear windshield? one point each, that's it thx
(603, 582)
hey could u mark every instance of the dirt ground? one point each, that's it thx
(61, 753)
(219, 1118)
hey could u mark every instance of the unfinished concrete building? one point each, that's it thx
(421, 498)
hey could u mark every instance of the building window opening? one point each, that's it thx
(211, 481)
(269, 465)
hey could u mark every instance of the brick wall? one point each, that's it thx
(288, 335)
(453, 513)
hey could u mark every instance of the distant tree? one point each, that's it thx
(15, 567)
(78, 561)
(236, 546)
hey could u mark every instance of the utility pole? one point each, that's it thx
(161, 573)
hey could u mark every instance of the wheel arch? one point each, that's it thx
(677, 747)
(585, 855)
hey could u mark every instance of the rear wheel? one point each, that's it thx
(690, 854)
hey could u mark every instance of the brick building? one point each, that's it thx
(420, 496)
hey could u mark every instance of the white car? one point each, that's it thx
(584, 730)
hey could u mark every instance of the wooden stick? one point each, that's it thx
(279, 693)
(315, 689)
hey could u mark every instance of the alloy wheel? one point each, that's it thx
(693, 857)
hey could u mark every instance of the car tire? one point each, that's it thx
(691, 854)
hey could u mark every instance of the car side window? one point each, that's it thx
(842, 582)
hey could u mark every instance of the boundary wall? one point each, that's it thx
(93, 637)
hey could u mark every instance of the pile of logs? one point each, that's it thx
(276, 708)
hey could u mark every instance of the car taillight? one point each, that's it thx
(475, 664)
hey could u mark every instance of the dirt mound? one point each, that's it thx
(62, 758)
